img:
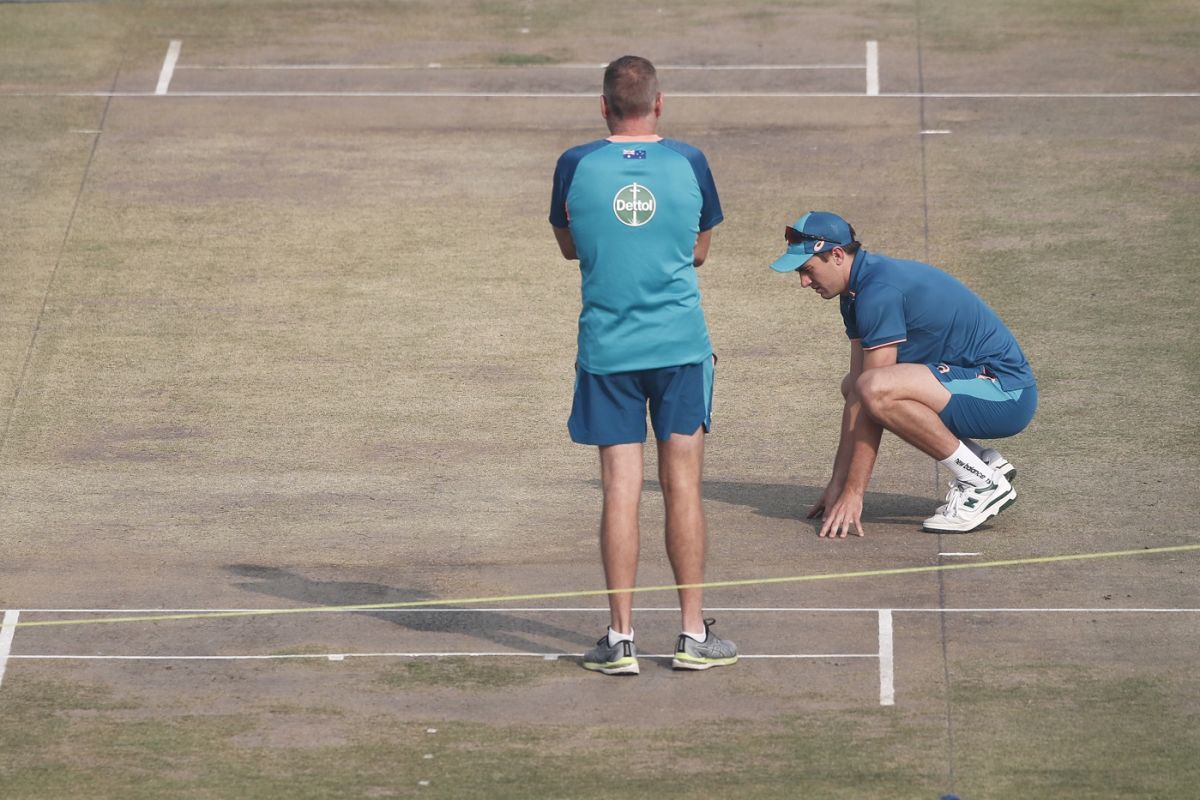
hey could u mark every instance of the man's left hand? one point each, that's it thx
(844, 517)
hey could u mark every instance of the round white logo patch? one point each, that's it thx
(634, 205)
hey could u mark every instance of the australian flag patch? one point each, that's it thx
(634, 154)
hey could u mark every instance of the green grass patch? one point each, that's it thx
(1063, 732)
(272, 753)
(986, 26)
(462, 673)
(525, 59)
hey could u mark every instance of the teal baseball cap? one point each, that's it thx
(815, 232)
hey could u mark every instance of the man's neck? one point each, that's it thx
(642, 127)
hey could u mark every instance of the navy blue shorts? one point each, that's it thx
(611, 409)
(979, 408)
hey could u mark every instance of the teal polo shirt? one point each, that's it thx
(634, 209)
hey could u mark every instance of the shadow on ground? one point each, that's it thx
(792, 501)
(505, 630)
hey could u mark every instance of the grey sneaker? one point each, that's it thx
(612, 659)
(991, 456)
(968, 507)
(712, 652)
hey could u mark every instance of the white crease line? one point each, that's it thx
(7, 632)
(500, 67)
(592, 95)
(168, 67)
(887, 688)
(935, 133)
(872, 68)
(675, 610)
(446, 654)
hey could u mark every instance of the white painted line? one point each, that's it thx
(446, 654)
(168, 67)
(484, 67)
(597, 610)
(592, 95)
(887, 689)
(7, 632)
(934, 133)
(958, 554)
(1080, 610)
(872, 68)
(81, 130)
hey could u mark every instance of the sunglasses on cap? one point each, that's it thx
(794, 236)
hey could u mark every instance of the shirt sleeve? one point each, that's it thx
(710, 210)
(564, 171)
(880, 318)
(710, 203)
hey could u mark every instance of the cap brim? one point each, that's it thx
(790, 262)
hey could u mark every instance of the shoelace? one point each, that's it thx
(955, 497)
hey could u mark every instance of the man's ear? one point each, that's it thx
(658, 104)
(603, 107)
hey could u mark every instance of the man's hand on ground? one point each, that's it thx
(845, 516)
(826, 500)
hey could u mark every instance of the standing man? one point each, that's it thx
(929, 361)
(638, 210)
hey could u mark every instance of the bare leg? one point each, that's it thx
(680, 468)
(906, 399)
(621, 478)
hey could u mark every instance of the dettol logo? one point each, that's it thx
(634, 205)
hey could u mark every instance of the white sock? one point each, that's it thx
(614, 637)
(699, 637)
(974, 446)
(965, 466)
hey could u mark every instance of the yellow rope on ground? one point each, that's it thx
(874, 573)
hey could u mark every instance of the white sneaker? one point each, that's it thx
(999, 465)
(967, 507)
(991, 456)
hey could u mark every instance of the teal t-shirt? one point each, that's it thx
(634, 210)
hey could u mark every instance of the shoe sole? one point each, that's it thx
(708, 663)
(967, 527)
(615, 668)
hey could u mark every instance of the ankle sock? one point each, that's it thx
(614, 637)
(967, 467)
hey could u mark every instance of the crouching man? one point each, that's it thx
(929, 361)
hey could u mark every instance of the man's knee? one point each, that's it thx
(680, 477)
(872, 389)
(679, 485)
